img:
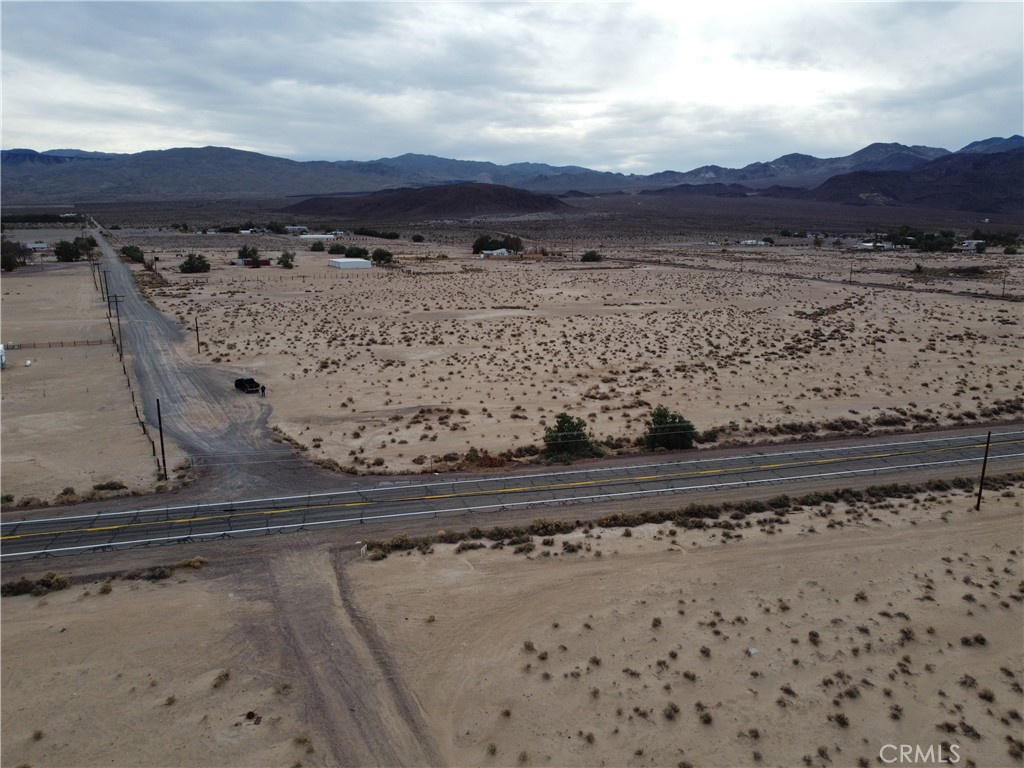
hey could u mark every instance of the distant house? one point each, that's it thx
(349, 263)
(496, 253)
(296, 230)
(317, 237)
(38, 245)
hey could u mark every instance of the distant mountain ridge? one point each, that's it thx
(77, 176)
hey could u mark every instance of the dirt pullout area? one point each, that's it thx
(815, 642)
(69, 419)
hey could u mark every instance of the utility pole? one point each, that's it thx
(1005, 273)
(984, 464)
(199, 349)
(106, 284)
(117, 306)
(160, 423)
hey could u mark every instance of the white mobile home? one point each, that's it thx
(349, 263)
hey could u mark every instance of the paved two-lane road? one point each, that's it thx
(779, 469)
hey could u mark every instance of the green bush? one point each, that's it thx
(194, 263)
(670, 430)
(134, 254)
(569, 437)
(591, 256)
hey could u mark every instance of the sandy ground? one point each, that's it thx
(398, 370)
(827, 639)
(390, 371)
(68, 419)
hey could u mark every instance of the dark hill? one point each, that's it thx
(981, 182)
(454, 201)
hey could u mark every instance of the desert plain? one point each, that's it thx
(816, 640)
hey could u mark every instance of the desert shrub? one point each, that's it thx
(591, 256)
(286, 260)
(110, 485)
(318, 247)
(50, 582)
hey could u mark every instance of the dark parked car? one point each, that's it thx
(247, 385)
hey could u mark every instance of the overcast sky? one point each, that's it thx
(625, 86)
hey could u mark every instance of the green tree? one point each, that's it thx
(318, 246)
(65, 250)
(193, 263)
(12, 255)
(251, 254)
(568, 437)
(667, 429)
(134, 254)
(492, 243)
(277, 228)
(286, 260)
(336, 249)
(381, 256)
(356, 252)
(591, 256)
(417, 238)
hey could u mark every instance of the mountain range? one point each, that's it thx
(982, 176)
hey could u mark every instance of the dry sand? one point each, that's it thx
(392, 370)
(68, 419)
(574, 658)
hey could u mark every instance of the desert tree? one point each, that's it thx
(667, 429)
(286, 260)
(133, 253)
(568, 436)
(13, 255)
(250, 253)
(194, 263)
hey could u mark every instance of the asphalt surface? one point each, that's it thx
(779, 469)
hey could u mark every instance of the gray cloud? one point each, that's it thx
(621, 86)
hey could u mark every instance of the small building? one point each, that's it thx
(329, 236)
(296, 230)
(349, 263)
(38, 245)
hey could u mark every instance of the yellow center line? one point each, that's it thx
(513, 489)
